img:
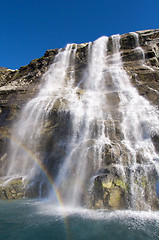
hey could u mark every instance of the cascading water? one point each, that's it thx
(139, 124)
(109, 127)
(34, 116)
(88, 114)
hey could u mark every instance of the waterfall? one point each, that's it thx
(88, 114)
(105, 124)
(34, 116)
(139, 124)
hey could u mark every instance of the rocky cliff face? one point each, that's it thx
(19, 86)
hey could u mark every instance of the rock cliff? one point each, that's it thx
(19, 86)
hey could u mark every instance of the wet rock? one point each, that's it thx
(111, 189)
(32, 190)
(12, 189)
(109, 192)
(128, 41)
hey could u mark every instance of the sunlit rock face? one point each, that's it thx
(85, 120)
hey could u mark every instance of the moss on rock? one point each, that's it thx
(109, 193)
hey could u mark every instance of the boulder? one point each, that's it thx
(12, 188)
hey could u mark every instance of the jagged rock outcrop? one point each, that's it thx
(18, 86)
(145, 79)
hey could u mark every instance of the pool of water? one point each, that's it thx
(37, 220)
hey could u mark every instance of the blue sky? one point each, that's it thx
(29, 27)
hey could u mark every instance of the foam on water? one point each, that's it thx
(36, 220)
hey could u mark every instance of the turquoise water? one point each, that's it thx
(38, 220)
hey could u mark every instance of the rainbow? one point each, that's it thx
(42, 167)
(49, 177)
(39, 163)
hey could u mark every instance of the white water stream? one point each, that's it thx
(103, 98)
